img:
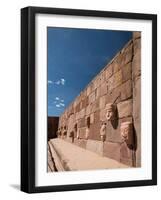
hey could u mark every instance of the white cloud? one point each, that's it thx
(50, 82)
(62, 100)
(62, 104)
(57, 98)
(57, 105)
(57, 82)
(62, 81)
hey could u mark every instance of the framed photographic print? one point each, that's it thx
(88, 99)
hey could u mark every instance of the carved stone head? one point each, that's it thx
(127, 132)
(110, 114)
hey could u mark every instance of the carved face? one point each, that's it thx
(126, 132)
(110, 114)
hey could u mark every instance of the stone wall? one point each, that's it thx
(117, 84)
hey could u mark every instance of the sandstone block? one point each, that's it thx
(92, 118)
(124, 108)
(136, 65)
(108, 72)
(82, 132)
(102, 102)
(103, 89)
(103, 115)
(126, 90)
(136, 34)
(95, 146)
(96, 116)
(88, 109)
(126, 155)
(95, 106)
(115, 80)
(94, 131)
(81, 123)
(92, 97)
(112, 150)
(127, 72)
(98, 92)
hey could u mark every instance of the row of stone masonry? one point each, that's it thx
(104, 110)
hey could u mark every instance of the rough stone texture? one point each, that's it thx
(136, 75)
(95, 146)
(126, 155)
(118, 83)
(124, 108)
(112, 150)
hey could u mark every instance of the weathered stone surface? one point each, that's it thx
(127, 72)
(136, 34)
(95, 146)
(81, 123)
(98, 92)
(124, 108)
(103, 115)
(94, 131)
(82, 113)
(92, 118)
(115, 80)
(88, 109)
(95, 106)
(137, 46)
(81, 142)
(137, 118)
(108, 72)
(113, 132)
(102, 102)
(97, 116)
(103, 89)
(136, 66)
(126, 155)
(126, 90)
(92, 97)
(128, 54)
(112, 150)
(82, 132)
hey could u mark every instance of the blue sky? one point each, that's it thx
(75, 56)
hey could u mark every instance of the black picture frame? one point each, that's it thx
(28, 98)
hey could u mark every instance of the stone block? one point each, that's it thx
(136, 34)
(82, 132)
(115, 80)
(103, 115)
(128, 54)
(103, 89)
(126, 72)
(137, 46)
(98, 92)
(92, 118)
(126, 90)
(113, 132)
(124, 108)
(126, 155)
(88, 110)
(94, 131)
(96, 116)
(95, 146)
(82, 113)
(108, 72)
(102, 102)
(92, 97)
(95, 106)
(112, 150)
(81, 123)
(136, 65)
